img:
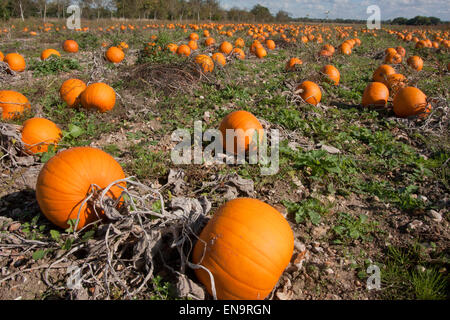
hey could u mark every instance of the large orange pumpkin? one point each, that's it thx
(47, 53)
(415, 62)
(382, 73)
(270, 44)
(239, 53)
(13, 104)
(205, 62)
(71, 90)
(114, 55)
(39, 133)
(410, 101)
(15, 61)
(260, 52)
(310, 92)
(69, 177)
(246, 246)
(70, 46)
(292, 63)
(99, 96)
(219, 58)
(193, 44)
(376, 94)
(184, 50)
(226, 47)
(332, 73)
(241, 126)
(1, 56)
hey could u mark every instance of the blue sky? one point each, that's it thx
(350, 9)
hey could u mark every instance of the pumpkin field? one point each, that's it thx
(92, 206)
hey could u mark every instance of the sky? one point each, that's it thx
(349, 9)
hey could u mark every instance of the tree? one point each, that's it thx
(261, 13)
(282, 16)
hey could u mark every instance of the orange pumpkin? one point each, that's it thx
(172, 47)
(47, 53)
(1, 56)
(193, 36)
(415, 62)
(270, 44)
(99, 96)
(205, 62)
(332, 73)
(226, 47)
(209, 41)
(260, 52)
(239, 43)
(69, 177)
(310, 92)
(219, 58)
(293, 63)
(345, 48)
(376, 94)
(114, 55)
(382, 73)
(184, 50)
(13, 104)
(39, 133)
(15, 62)
(396, 80)
(410, 101)
(246, 246)
(71, 90)
(193, 44)
(239, 53)
(241, 126)
(70, 46)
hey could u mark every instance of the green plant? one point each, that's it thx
(311, 209)
(349, 228)
(53, 65)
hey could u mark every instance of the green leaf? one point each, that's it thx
(68, 244)
(55, 235)
(38, 254)
(75, 131)
(88, 235)
(314, 217)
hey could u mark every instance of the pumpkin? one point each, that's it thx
(401, 51)
(205, 62)
(375, 94)
(1, 56)
(123, 46)
(411, 101)
(415, 62)
(255, 45)
(345, 48)
(172, 47)
(329, 47)
(193, 44)
(193, 36)
(310, 92)
(396, 81)
(70, 46)
(260, 52)
(38, 134)
(246, 246)
(12, 104)
(239, 53)
(69, 177)
(226, 47)
(270, 44)
(114, 54)
(219, 58)
(292, 63)
(209, 41)
(332, 73)
(71, 90)
(15, 62)
(184, 50)
(244, 125)
(99, 96)
(239, 43)
(47, 53)
(394, 58)
(382, 73)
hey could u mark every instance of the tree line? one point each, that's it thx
(200, 10)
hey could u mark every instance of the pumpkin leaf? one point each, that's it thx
(38, 254)
(55, 235)
(75, 131)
